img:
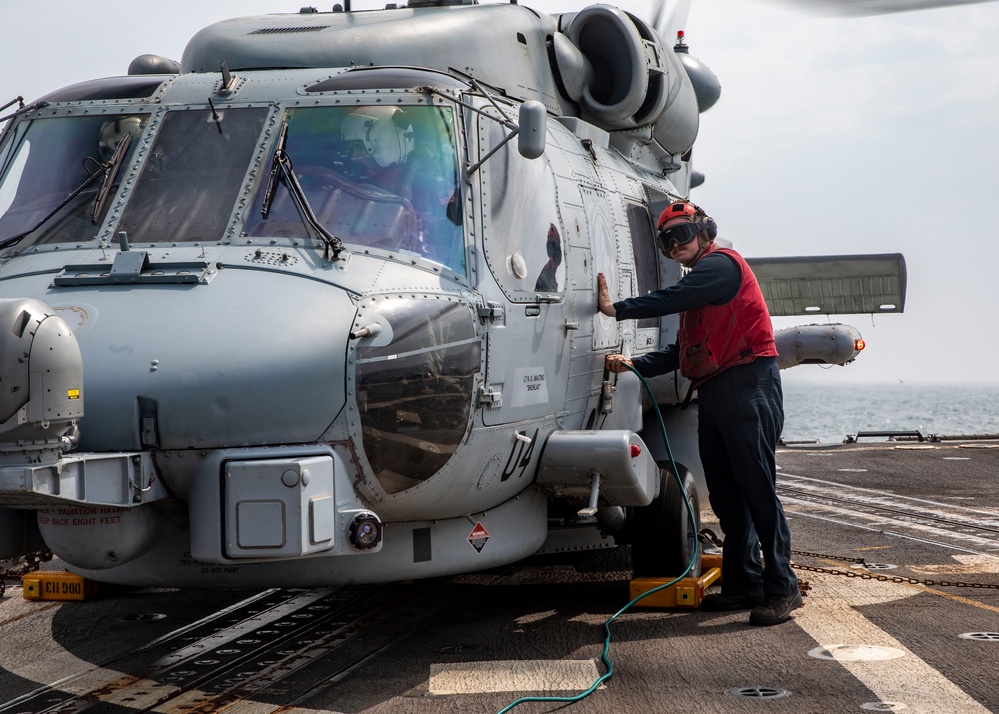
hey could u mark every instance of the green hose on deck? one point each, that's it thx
(693, 559)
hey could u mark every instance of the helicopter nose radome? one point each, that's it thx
(256, 357)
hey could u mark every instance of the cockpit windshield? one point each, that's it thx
(192, 176)
(382, 177)
(51, 171)
(377, 176)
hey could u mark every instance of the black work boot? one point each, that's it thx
(722, 602)
(775, 609)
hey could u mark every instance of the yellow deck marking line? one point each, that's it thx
(958, 598)
(966, 565)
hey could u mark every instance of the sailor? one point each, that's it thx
(725, 346)
(382, 134)
(397, 152)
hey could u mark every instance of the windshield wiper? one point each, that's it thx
(110, 170)
(281, 169)
(275, 171)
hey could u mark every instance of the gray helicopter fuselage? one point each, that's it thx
(268, 374)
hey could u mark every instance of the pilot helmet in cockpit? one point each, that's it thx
(114, 129)
(385, 133)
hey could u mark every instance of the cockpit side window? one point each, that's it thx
(383, 177)
(643, 244)
(415, 388)
(51, 171)
(523, 245)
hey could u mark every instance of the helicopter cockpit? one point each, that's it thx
(192, 176)
(376, 176)
(60, 172)
(383, 179)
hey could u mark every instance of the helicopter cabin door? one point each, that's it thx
(524, 292)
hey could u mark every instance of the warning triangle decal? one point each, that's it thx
(478, 537)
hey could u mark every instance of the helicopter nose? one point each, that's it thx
(255, 357)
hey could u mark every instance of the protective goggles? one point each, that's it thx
(679, 234)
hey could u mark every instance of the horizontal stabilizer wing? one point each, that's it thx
(832, 284)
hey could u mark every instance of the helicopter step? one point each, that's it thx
(618, 466)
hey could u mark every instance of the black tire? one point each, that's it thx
(662, 541)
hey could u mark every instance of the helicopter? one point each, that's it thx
(315, 305)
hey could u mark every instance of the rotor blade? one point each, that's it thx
(877, 7)
(658, 14)
(670, 16)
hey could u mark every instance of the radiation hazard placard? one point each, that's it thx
(478, 537)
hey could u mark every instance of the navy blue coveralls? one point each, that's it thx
(740, 419)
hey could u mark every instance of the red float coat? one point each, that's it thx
(713, 338)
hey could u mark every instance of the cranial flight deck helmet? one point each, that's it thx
(386, 133)
(114, 129)
(680, 223)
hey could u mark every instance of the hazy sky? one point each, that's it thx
(832, 135)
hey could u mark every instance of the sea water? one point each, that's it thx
(828, 413)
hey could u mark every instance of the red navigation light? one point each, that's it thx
(858, 345)
(636, 451)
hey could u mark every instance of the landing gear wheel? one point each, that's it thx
(662, 539)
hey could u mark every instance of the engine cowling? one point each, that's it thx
(629, 80)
